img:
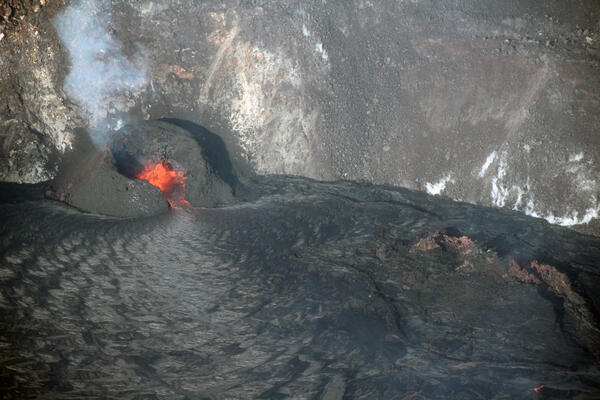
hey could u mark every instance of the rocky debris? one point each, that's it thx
(31, 69)
(26, 156)
(15, 11)
(516, 272)
(462, 244)
(472, 258)
(575, 308)
(461, 247)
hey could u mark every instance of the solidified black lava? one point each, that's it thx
(314, 290)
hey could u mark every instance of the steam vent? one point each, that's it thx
(300, 199)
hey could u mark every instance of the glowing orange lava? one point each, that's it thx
(169, 181)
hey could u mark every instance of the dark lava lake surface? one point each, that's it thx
(315, 290)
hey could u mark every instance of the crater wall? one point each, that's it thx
(490, 103)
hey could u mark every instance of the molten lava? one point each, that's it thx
(169, 181)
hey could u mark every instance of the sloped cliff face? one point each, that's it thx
(494, 104)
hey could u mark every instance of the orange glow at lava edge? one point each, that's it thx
(169, 181)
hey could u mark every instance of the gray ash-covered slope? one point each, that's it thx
(314, 290)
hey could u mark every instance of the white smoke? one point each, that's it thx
(100, 72)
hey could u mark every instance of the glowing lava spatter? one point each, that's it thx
(168, 180)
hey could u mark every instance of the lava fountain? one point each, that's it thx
(170, 181)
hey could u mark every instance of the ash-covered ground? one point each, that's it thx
(314, 290)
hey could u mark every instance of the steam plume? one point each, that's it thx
(100, 71)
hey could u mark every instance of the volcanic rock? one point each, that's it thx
(485, 102)
(26, 155)
(210, 178)
(96, 186)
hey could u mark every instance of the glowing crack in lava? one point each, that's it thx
(168, 180)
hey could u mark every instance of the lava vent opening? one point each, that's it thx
(170, 181)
